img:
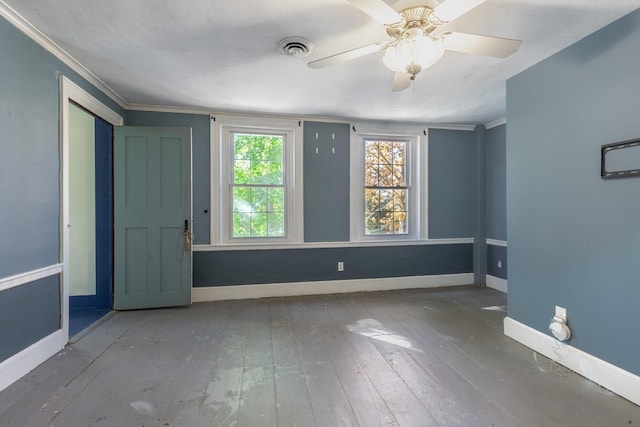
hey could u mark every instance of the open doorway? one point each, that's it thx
(75, 97)
(90, 218)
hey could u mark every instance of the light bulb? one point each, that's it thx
(411, 55)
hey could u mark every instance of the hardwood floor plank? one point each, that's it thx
(428, 357)
(293, 403)
(257, 396)
(480, 337)
(330, 405)
(405, 406)
(402, 358)
(367, 404)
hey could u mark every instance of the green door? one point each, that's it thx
(152, 217)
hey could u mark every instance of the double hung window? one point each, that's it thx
(386, 190)
(256, 181)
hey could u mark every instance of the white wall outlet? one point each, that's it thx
(340, 266)
(561, 312)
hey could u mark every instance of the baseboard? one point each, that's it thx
(218, 293)
(609, 376)
(497, 283)
(22, 363)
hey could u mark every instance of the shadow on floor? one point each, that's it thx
(82, 317)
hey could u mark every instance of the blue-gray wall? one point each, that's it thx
(201, 159)
(496, 200)
(574, 239)
(496, 160)
(451, 183)
(451, 215)
(29, 184)
(326, 182)
(38, 314)
(222, 268)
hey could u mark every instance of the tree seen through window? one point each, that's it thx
(258, 185)
(386, 190)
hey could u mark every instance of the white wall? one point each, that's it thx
(82, 233)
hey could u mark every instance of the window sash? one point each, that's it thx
(411, 179)
(383, 219)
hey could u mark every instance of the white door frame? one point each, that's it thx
(69, 91)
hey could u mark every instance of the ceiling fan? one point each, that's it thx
(420, 37)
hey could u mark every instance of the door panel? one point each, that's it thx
(152, 202)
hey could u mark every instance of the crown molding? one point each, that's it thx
(496, 123)
(169, 109)
(50, 46)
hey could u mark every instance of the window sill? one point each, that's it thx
(314, 245)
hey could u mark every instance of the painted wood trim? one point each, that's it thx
(219, 293)
(18, 365)
(322, 245)
(71, 91)
(496, 123)
(496, 283)
(494, 242)
(52, 47)
(324, 119)
(29, 276)
(609, 376)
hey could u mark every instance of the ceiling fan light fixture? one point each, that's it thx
(412, 55)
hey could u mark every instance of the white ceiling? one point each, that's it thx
(222, 55)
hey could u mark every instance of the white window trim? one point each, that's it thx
(221, 175)
(418, 176)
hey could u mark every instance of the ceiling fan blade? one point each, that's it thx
(451, 9)
(378, 10)
(344, 56)
(401, 81)
(481, 45)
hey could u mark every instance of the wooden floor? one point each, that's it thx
(402, 358)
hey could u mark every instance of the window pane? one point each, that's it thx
(241, 171)
(385, 163)
(372, 223)
(371, 152)
(399, 149)
(275, 200)
(258, 224)
(371, 175)
(399, 174)
(241, 146)
(258, 159)
(242, 199)
(264, 172)
(385, 175)
(241, 224)
(276, 224)
(258, 199)
(258, 212)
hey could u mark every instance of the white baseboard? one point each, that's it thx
(218, 293)
(609, 376)
(18, 365)
(496, 283)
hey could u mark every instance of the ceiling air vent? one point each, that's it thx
(295, 46)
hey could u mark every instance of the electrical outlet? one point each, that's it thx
(561, 312)
(340, 266)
